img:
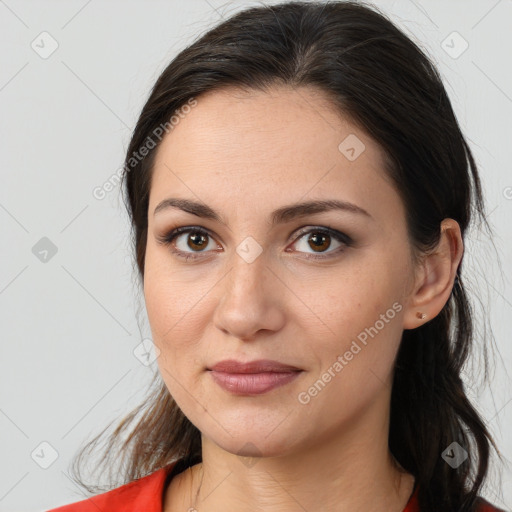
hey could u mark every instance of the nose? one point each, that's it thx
(251, 298)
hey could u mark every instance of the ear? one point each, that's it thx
(435, 277)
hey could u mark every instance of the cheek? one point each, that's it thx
(172, 307)
(176, 307)
(174, 333)
(363, 310)
(356, 368)
(349, 302)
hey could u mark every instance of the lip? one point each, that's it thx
(257, 366)
(254, 377)
(252, 383)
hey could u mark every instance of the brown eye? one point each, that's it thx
(319, 240)
(197, 240)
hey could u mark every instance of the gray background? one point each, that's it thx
(69, 323)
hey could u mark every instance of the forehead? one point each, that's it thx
(276, 126)
(271, 147)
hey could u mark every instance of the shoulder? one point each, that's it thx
(142, 494)
(482, 505)
(485, 506)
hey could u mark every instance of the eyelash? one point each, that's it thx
(337, 235)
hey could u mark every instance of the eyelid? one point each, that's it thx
(170, 236)
(339, 236)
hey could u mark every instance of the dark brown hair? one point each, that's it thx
(374, 74)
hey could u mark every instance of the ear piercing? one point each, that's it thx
(421, 315)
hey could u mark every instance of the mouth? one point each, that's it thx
(252, 383)
(257, 366)
(252, 378)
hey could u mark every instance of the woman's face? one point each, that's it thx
(251, 289)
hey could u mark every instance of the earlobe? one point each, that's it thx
(436, 277)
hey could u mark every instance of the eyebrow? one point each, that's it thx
(279, 216)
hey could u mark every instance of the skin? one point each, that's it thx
(246, 153)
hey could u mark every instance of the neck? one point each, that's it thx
(353, 471)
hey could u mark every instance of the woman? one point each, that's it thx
(300, 189)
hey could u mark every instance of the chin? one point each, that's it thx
(255, 442)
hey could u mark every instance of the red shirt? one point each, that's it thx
(147, 494)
